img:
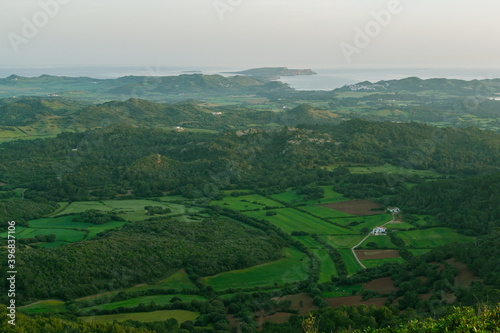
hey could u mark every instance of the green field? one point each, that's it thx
(399, 226)
(293, 268)
(44, 307)
(344, 241)
(341, 291)
(178, 281)
(383, 242)
(246, 202)
(308, 241)
(369, 221)
(290, 220)
(327, 267)
(430, 238)
(352, 264)
(146, 300)
(323, 212)
(180, 315)
(369, 263)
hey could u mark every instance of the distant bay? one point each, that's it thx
(326, 79)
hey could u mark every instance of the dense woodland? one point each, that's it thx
(140, 253)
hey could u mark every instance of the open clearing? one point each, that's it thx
(178, 281)
(49, 306)
(356, 207)
(145, 317)
(430, 238)
(382, 285)
(464, 275)
(293, 268)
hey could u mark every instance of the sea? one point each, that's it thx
(325, 79)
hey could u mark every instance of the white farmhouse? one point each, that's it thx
(379, 231)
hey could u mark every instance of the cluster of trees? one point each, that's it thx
(157, 210)
(311, 192)
(95, 216)
(23, 211)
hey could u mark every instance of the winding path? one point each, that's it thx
(355, 246)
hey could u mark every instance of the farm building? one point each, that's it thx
(379, 231)
(394, 210)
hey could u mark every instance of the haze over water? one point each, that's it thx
(326, 78)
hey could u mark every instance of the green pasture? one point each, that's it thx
(51, 306)
(399, 226)
(293, 268)
(323, 212)
(344, 241)
(382, 241)
(290, 220)
(352, 264)
(368, 221)
(327, 267)
(178, 281)
(430, 238)
(308, 241)
(370, 263)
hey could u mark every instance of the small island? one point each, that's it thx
(273, 72)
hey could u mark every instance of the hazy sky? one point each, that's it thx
(249, 33)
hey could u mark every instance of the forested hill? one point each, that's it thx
(68, 115)
(109, 161)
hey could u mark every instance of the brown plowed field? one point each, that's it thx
(465, 275)
(307, 303)
(355, 300)
(356, 207)
(377, 254)
(382, 285)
